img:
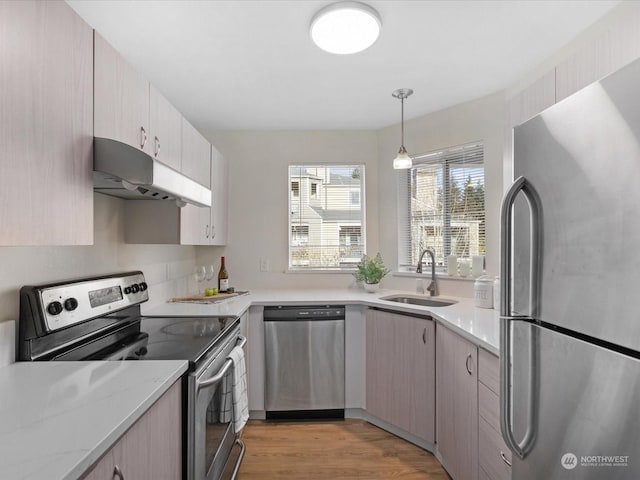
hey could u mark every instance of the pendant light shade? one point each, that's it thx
(402, 160)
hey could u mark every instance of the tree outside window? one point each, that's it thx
(445, 205)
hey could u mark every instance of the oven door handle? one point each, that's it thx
(241, 342)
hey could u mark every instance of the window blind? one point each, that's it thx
(326, 216)
(442, 205)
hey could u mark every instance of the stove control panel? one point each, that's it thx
(63, 305)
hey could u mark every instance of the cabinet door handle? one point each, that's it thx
(504, 458)
(143, 137)
(467, 363)
(424, 335)
(117, 473)
(157, 147)
(206, 231)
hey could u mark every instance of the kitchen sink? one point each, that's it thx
(417, 300)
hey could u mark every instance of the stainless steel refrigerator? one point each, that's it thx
(570, 283)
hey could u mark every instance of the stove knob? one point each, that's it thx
(127, 290)
(143, 286)
(135, 288)
(70, 304)
(54, 308)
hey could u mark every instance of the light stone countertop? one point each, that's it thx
(58, 418)
(481, 326)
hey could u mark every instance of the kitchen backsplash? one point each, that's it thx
(167, 268)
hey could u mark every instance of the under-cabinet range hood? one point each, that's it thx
(123, 171)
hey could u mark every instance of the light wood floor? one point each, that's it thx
(334, 450)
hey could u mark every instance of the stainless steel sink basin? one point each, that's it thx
(417, 300)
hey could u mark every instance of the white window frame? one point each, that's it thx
(405, 263)
(297, 265)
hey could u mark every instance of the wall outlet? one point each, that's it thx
(264, 264)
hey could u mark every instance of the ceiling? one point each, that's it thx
(250, 64)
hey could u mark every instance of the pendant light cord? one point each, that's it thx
(402, 120)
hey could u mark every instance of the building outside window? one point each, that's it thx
(326, 227)
(443, 202)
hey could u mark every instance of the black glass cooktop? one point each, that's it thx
(182, 338)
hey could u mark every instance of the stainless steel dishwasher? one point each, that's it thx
(304, 349)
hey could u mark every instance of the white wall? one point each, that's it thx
(258, 194)
(167, 268)
(258, 221)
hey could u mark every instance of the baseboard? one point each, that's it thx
(398, 432)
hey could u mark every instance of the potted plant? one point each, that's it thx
(370, 271)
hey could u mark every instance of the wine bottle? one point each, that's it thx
(223, 277)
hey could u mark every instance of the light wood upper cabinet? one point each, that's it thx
(219, 198)
(165, 127)
(401, 371)
(196, 155)
(121, 99)
(152, 448)
(46, 129)
(154, 222)
(457, 404)
(131, 110)
(533, 100)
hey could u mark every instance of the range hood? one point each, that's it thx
(121, 170)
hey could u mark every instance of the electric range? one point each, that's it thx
(99, 318)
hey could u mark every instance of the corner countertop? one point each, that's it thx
(58, 418)
(481, 326)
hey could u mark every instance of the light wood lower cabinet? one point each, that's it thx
(151, 449)
(401, 371)
(494, 455)
(457, 404)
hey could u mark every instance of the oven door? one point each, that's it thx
(211, 437)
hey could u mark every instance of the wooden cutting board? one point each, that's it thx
(202, 298)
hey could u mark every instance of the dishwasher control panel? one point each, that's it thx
(307, 312)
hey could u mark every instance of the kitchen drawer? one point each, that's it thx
(491, 449)
(489, 406)
(489, 370)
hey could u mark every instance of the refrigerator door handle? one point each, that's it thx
(523, 447)
(520, 448)
(506, 246)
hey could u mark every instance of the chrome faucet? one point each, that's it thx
(433, 286)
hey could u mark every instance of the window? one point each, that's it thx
(328, 233)
(443, 198)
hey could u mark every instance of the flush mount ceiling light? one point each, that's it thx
(403, 160)
(345, 27)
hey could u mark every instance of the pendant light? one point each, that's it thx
(403, 160)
